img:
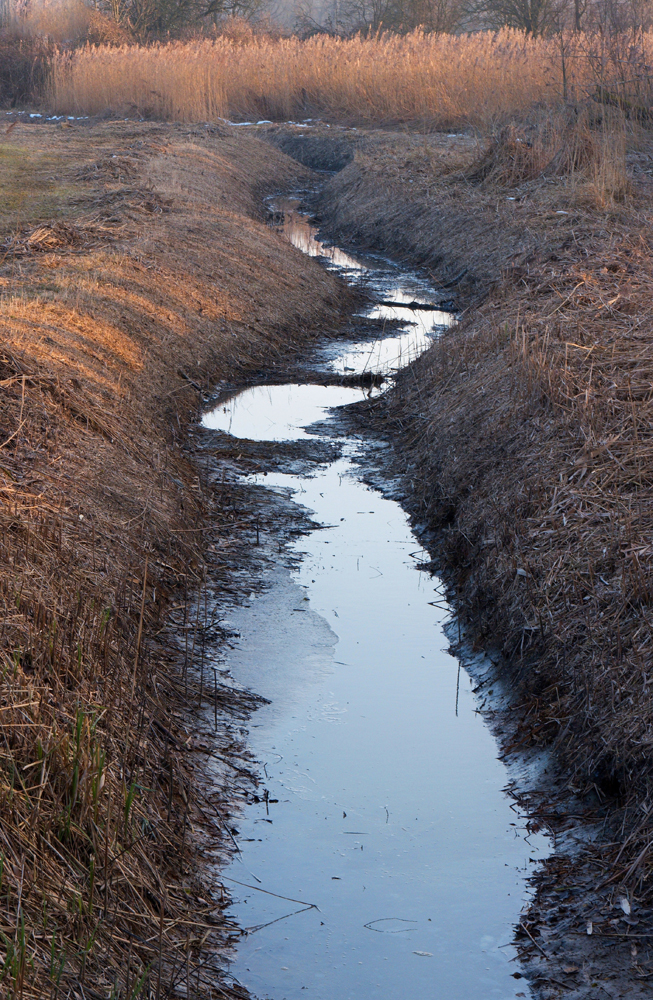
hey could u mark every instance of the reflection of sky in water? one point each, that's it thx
(386, 810)
(277, 412)
(390, 815)
(426, 318)
(387, 353)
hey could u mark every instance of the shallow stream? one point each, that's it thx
(384, 859)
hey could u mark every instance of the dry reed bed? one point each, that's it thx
(434, 80)
(110, 317)
(448, 204)
(527, 437)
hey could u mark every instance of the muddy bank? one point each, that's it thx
(137, 270)
(523, 439)
(382, 803)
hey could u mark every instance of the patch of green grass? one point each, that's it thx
(32, 187)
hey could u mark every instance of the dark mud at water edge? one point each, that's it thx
(381, 855)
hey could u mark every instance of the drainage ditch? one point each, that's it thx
(383, 858)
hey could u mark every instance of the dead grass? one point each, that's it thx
(537, 432)
(467, 208)
(526, 436)
(433, 81)
(582, 144)
(149, 283)
(29, 187)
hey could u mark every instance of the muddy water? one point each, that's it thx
(384, 861)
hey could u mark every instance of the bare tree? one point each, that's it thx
(609, 17)
(346, 17)
(168, 17)
(536, 17)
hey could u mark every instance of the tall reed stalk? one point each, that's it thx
(433, 80)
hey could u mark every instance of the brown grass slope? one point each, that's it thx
(134, 269)
(527, 434)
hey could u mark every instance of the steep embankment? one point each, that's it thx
(135, 271)
(525, 440)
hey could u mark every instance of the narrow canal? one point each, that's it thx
(384, 859)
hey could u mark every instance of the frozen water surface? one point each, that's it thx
(398, 862)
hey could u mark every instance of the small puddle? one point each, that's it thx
(385, 860)
(277, 412)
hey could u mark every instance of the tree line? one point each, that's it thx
(536, 17)
(143, 19)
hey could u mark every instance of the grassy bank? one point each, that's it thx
(526, 441)
(131, 275)
(438, 81)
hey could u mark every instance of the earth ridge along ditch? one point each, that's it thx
(137, 270)
(521, 449)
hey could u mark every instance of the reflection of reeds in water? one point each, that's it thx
(298, 230)
(440, 80)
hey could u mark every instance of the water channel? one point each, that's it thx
(385, 860)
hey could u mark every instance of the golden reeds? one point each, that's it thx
(417, 78)
(429, 80)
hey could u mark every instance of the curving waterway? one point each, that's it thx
(384, 859)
